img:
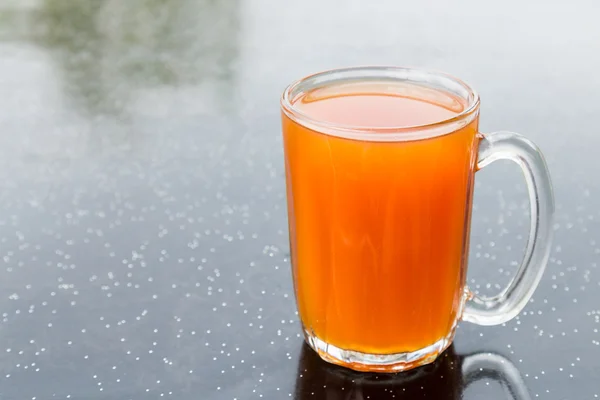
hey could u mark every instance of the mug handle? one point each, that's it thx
(499, 368)
(506, 305)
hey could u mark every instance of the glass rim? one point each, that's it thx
(385, 134)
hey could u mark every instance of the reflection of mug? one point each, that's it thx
(380, 164)
(445, 379)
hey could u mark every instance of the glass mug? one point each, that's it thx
(380, 164)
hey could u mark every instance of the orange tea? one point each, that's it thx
(377, 228)
(380, 163)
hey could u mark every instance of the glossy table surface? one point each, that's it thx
(144, 250)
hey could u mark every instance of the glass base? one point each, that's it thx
(378, 362)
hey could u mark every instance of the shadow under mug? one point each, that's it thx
(445, 379)
(379, 221)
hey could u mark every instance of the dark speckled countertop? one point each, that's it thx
(143, 232)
